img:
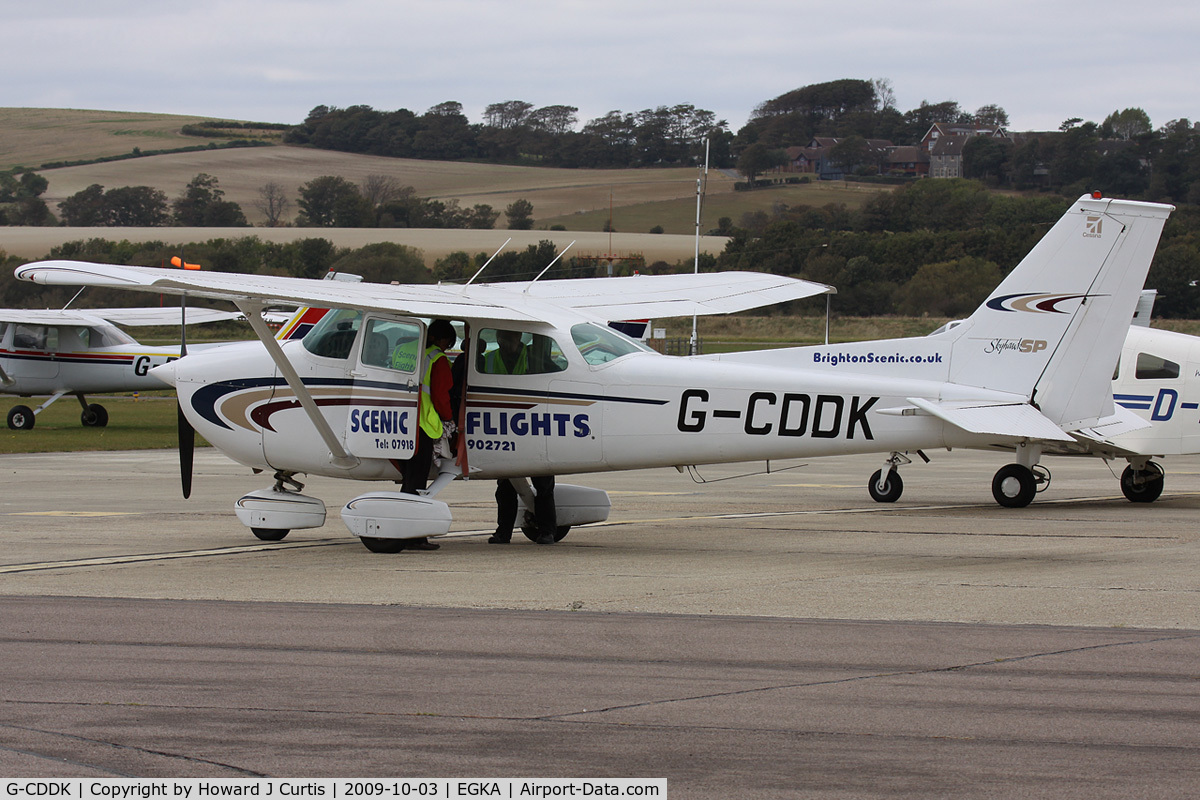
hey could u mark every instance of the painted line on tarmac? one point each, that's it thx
(271, 546)
(108, 561)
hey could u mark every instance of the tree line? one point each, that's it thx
(380, 201)
(934, 247)
(1120, 155)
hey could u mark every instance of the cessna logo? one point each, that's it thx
(1093, 228)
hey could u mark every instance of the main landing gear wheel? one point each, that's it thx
(20, 418)
(270, 534)
(94, 416)
(893, 486)
(381, 545)
(1142, 485)
(1014, 486)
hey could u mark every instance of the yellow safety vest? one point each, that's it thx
(494, 363)
(427, 415)
(404, 357)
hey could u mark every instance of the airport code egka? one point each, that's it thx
(197, 788)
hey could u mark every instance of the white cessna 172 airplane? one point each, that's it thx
(81, 352)
(1032, 364)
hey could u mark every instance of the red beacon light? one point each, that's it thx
(1097, 195)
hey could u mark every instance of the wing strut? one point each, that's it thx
(253, 312)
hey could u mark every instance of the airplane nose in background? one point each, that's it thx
(165, 373)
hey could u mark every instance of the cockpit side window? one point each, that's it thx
(392, 344)
(29, 337)
(599, 344)
(1152, 367)
(333, 336)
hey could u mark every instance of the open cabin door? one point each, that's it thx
(381, 416)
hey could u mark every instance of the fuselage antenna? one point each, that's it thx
(701, 185)
(490, 260)
(548, 266)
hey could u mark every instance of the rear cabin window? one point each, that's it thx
(508, 352)
(1151, 367)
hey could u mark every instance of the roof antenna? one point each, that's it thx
(485, 266)
(73, 299)
(548, 266)
(701, 185)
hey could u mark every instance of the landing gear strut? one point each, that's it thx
(1015, 485)
(885, 485)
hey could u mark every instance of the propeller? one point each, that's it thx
(186, 433)
(187, 446)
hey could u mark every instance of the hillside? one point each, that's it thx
(30, 137)
(576, 198)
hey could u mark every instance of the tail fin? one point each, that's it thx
(1052, 330)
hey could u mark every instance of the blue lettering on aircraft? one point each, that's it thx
(378, 420)
(523, 423)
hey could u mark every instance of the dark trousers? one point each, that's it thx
(543, 506)
(415, 473)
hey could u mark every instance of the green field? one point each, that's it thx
(145, 423)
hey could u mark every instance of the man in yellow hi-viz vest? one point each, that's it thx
(433, 411)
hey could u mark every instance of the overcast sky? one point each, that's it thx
(1043, 61)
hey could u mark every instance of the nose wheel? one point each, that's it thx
(885, 488)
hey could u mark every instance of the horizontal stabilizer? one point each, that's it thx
(1019, 420)
(1121, 422)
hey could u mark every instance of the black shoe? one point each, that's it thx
(546, 538)
(422, 544)
(496, 539)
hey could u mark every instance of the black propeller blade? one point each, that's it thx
(187, 434)
(187, 446)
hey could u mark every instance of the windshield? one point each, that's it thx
(333, 336)
(599, 345)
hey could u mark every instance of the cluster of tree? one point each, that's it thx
(202, 204)
(932, 248)
(849, 107)
(20, 199)
(1122, 157)
(515, 131)
(382, 202)
(328, 201)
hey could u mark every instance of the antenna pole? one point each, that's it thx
(548, 266)
(489, 261)
(701, 177)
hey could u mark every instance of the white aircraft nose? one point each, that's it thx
(165, 373)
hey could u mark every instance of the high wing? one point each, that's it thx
(645, 296)
(119, 316)
(607, 298)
